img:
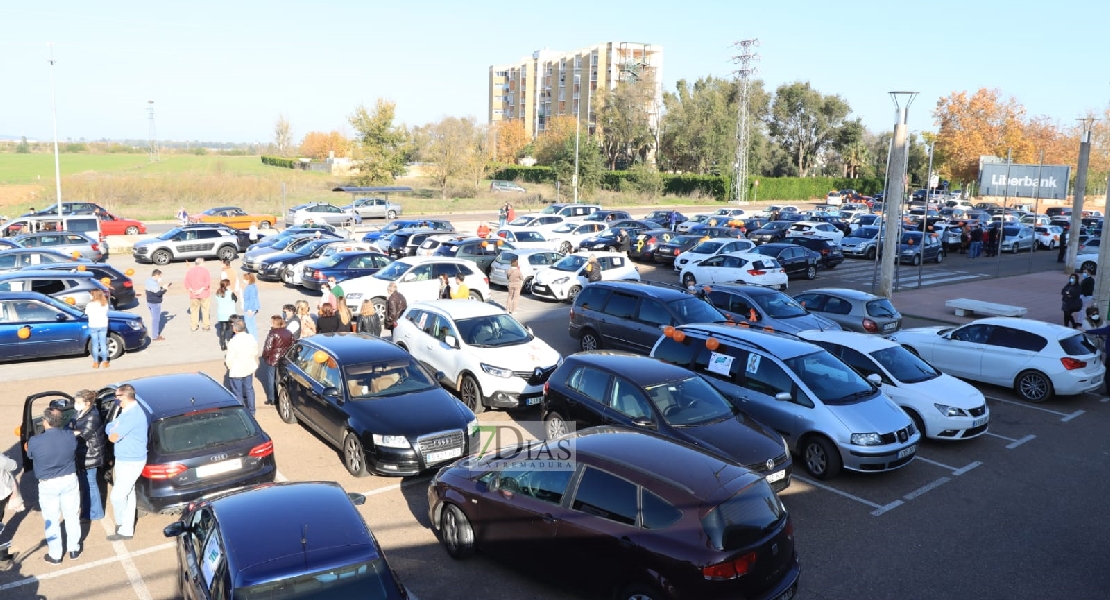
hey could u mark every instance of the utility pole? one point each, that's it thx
(740, 168)
(150, 131)
(1078, 193)
(1102, 275)
(892, 202)
(926, 229)
(577, 130)
(57, 161)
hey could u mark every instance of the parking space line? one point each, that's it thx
(955, 471)
(1013, 443)
(966, 468)
(397, 486)
(925, 488)
(84, 567)
(879, 508)
(1065, 417)
(133, 574)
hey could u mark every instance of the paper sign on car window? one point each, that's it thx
(753, 362)
(720, 364)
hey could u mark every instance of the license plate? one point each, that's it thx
(442, 455)
(890, 326)
(539, 288)
(533, 401)
(773, 477)
(787, 595)
(907, 451)
(980, 422)
(220, 468)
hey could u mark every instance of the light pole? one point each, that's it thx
(925, 228)
(892, 202)
(577, 129)
(54, 104)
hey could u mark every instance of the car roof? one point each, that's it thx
(43, 250)
(751, 290)
(356, 347)
(421, 259)
(598, 253)
(466, 240)
(1050, 330)
(857, 341)
(46, 233)
(526, 251)
(844, 293)
(171, 395)
(460, 309)
(721, 240)
(662, 292)
(774, 344)
(46, 273)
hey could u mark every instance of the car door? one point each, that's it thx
(615, 321)
(1011, 352)
(604, 511)
(374, 208)
(708, 271)
(419, 285)
(32, 423)
(648, 323)
(524, 513)
(50, 331)
(627, 406)
(298, 382)
(330, 416)
(586, 396)
(442, 346)
(960, 352)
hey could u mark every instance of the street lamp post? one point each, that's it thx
(57, 162)
(892, 202)
(577, 129)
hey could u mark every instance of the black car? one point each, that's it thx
(830, 252)
(837, 222)
(795, 259)
(668, 251)
(342, 266)
(267, 541)
(637, 224)
(123, 288)
(774, 231)
(664, 217)
(252, 260)
(608, 239)
(638, 392)
(373, 401)
(716, 232)
(479, 251)
(644, 243)
(404, 242)
(279, 267)
(202, 440)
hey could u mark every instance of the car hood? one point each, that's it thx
(519, 357)
(596, 239)
(808, 322)
(119, 315)
(410, 415)
(877, 415)
(740, 439)
(852, 241)
(550, 274)
(283, 257)
(945, 390)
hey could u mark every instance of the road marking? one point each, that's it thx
(955, 471)
(932, 486)
(965, 468)
(133, 574)
(278, 477)
(83, 567)
(1065, 417)
(879, 508)
(1014, 443)
(397, 486)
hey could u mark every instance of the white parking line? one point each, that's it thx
(1013, 443)
(1065, 417)
(932, 486)
(84, 567)
(133, 574)
(955, 471)
(397, 486)
(879, 508)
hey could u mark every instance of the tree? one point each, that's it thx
(511, 140)
(699, 128)
(805, 122)
(591, 164)
(625, 121)
(23, 147)
(980, 124)
(448, 145)
(318, 145)
(1060, 146)
(550, 142)
(283, 136)
(382, 147)
(480, 159)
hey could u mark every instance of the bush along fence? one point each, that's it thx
(288, 163)
(715, 186)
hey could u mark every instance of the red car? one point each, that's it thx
(113, 225)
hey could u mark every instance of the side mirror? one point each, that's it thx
(331, 393)
(451, 341)
(875, 379)
(60, 317)
(356, 498)
(175, 529)
(643, 422)
(528, 328)
(783, 397)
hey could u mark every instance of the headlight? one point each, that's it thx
(785, 446)
(866, 439)
(496, 371)
(391, 441)
(136, 325)
(560, 281)
(950, 411)
(472, 427)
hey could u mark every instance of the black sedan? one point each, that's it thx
(645, 242)
(795, 260)
(123, 288)
(667, 251)
(279, 267)
(607, 240)
(774, 231)
(663, 217)
(716, 232)
(637, 224)
(342, 266)
(831, 254)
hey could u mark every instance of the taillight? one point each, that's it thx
(96, 247)
(676, 252)
(546, 387)
(264, 449)
(127, 283)
(651, 240)
(756, 272)
(318, 275)
(824, 250)
(731, 569)
(1071, 363)
(572, 314)
(486, 279)
(166, 471)
(870, 326)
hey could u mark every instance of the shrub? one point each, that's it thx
(524, 174)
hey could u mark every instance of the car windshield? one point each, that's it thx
(608, 234)
(904, 365)
(913, 238)
(779, 306)
(831, 380)
(493, 331)
(529, 236)
(777, 225)
(689, 402)
(695, 310)
(706, 247)
(203, 429)
(570, 263)
(565, 228)
(551, 209)
(393, 271)
(169, 234)
(383, 379)
(283, 244)
(683, 240)
(365, 581)
(394, 226)
(881, 308)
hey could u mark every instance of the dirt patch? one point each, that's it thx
(20, 197)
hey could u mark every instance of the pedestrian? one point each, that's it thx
(327, 321)
(154, 294)
(54, 454)
(251, 306)
(278, 341)
(344, 313)
(965, 238)
(1070, 301)
(292, 323)
(1086, 288)
(625, 241)
(89, 429)
(329, 297)
(674, 220)
(241, 361)
(1103, 332)
(252, 232)
(395, 306)
(225, 309)
(510, 212)
(306, 322)
(97, 312)
(128, 432)
(368, 319)
(516, 283)
(992, 241)
(182, 216)
(483, 230)
(198, 281)
(10, 499)
(461, 292)
(444, 287)
(593, 269)
(228, 274)
(976, 244)
(502, 215)
(1063, 246)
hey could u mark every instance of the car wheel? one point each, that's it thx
(526, 288)
(476, 296)
(640, 592)
(689, 280)
(811, 272)
(554, 426)
(161, 257)
(348, 222)
(1052, 245)
(916, 259)
(458, 535)
(1091, 266)
(131, 230)
(391, 215)
(115, 346)
(940, 257)
(918, 422)
(589, 341)
(287, 275)
(226, 253)
(1033, 386)
(1014, 249)
(379, 306)
(871, 253)
(285, 405)
(471, 394)
(822, 460)
(566, 248)
(572, 293)
(354, 457)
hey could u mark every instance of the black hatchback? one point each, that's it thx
(668, 251)
(795, 259)
(202, 440)
(831, 254)
(123, 288)
(774, 231)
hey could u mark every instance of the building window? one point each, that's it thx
(593, 59)
(562, 95)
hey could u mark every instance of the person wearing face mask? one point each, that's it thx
(89, 429)
(1086, 288)
(1070, 301)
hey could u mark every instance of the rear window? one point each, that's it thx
(447, 250)
(370, 580)
(881, 308)
(204, 429)
(742, 519)
(1078, 345)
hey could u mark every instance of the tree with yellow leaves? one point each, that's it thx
(510, 139)
(555, 134)
(318, 144)
(980, 124)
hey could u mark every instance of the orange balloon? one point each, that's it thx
(70, 301)
(712, 343)
(320, 356)
(106, 281)
(668, 331)
(679, 336)
(24, 333)
(129, 272)
(80, 267)
(76, 254)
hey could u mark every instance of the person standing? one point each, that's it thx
(483, 230)
(252, 232)
(199, 283)
(327, 321)
(329, 297)
(54, 454)
(625, 242)
(292, 323)
(277, 343)
(1070, 301)
(460, 292)
(228, 274)
(97, 311)
(1086, 288)
(674, 220)
(395, 306)
(502, 215)
(976, 245)
(593, 270)
(344, 313)
(154, 293)
(444, 287)
(251, 305)
(241, 361)
(368, 319)
(182, 216)
(129, 433)
(1063, 246)
(9, 498)
(89, 429)
(510, 212)
(516, 283)
(225, 309)
(307, 324)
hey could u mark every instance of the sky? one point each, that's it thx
(224, 70)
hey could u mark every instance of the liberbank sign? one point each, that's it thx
(1049, 182)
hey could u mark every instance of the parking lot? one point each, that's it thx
(1016, 513)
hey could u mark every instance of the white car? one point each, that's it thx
(942, 407)
(817, 229)
(486, 355)
(711, 247)
(527, 238)
(567, 277)
(1048, 236)
(545, 224)
(747, 268)
(731, 213)
(296, 273)
(431, 243)
(571, 212)
(1038, 360)
(530, 262)
(834, 198)
(570, 234)
(417, 279)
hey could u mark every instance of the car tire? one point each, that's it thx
(566, 248)
(589, 341)
(526, 288)
(871, 253)
(1090, 265)
(161, 257)
(918, 422)
(820, 457)
(379, 306)
(131, 230)
(354, 455)
(572, 293)
(458, 534)
(1033, 386)
(811, 272)
(1013, 248)
(264, 225)
(476, 296)
(115, 346)
(227, 253)
(689, 280)
(916, 259)
(391, 215)
(470, 392)
(554, 426)
(285, 405)
(348, 222)
(640, 592)
(1052, 245)
(287, 275)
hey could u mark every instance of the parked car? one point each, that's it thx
(941, 406)
(831, 254)
(570, 235)
(863, 242)
(749, 268)
(53, 328)
(375, 208)
(543, 223)
(280, 266)
(642, 224)
(406, 242)
(645, 242)
(69, 208)
(608, 239)
(708, 528)
(73, 244)
(819, 229)
(629, 316)
(71, 287)
(566, 278)
(299, 273)
(120, 284)
(605, 216)
(242, 236)
(201, 439)
(477, 250)
(602, 387)
(530, 262)
(1038, 360)
(186, 244)
(257, 256)
(417, 279)
(1048, 237)
(1017, 238)
(489, 358)
(571, 212)
(830, 416)
(663, 217)
(757, 306)
(669, 251)
(774, 231)
(374, 402)
(853, 310)
(709, 248)
(113, 225)
(322, 212)
(506, 186)
(792, 258)
(342, 266)
(233, 216)
(720, 231)
(523, 238)
(218, 539)
(17, 258)
(693, 221)
(834, 197)
(437, 224)
(915, 246)
(87, 225)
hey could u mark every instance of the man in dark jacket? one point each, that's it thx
(625, 241)
(395, 306)
(1063, 246)
(53, 452)
(277, 343)
(89, 429)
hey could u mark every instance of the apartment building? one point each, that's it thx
(551, 83)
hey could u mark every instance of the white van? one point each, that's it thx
(88, 225)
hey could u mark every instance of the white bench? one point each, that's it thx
(964, 306)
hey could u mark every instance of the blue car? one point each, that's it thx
(395, 226)
(53, 328)
(342, 266)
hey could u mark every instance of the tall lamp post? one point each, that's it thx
(54, 105)
(577, 130)
(892, 202)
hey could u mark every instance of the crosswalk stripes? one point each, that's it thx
(864, 272)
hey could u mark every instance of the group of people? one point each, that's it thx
(506, 214)
(1077, 295)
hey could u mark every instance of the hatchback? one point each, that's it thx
(863, 242)
(632, 509)
(71, 287)
(911, 248)
(644, 243)
(570, 235)
(14, 259)
(1017, 238)
(793, 259)
(771, 232)
(566, 278)
(571, 212)
(852, 309)
(706, 248)
(72, 244)
(748, 268)
(280, 266)
(202, 440)
(417, 279)
(477, 250)
(33, 325)
(543, 223)
(257, 255)
(669, 251)
(121, 285)
(763, 307)
(186, 243)
(505, 186)
(524, 238)
(608, 240)
(437, 224)
(406, 242)
(608, 215)
(830, 252)
(819, 229)
(322, 212)
(530, 263)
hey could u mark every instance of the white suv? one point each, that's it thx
(486, 355)
(568, 236)
(417, 279)
(567, 277)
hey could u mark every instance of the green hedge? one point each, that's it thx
(524, 174)
(805, 188)
(274, 161)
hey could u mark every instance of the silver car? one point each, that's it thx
(864, 242)
(530, 261)
(65, 242)
(374, 208)
(186, 243)
(853, 310)
(762, 307)
(72, 287)
(1017, 238)
(321, 212)
(22, 258)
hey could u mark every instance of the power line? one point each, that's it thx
(740, 169)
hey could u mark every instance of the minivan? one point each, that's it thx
(88, 225)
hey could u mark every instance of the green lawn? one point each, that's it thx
(39, 167)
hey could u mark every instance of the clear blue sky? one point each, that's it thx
(223, 71)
